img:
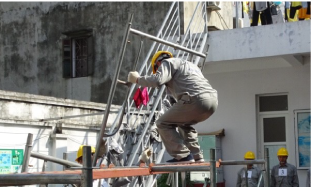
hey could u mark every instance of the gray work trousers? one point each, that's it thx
(186, 112)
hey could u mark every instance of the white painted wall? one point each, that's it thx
(15, 137)
(236, 112)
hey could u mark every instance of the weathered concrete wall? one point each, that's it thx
(31, 45)
(29, 109)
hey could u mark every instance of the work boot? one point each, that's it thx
(188, 159)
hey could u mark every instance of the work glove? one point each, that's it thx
(145, 155)
(133, 76)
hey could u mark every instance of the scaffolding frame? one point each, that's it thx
(84, 175)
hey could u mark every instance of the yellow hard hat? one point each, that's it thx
(282, 152)
(80, 151)
(164, 54)
(249, 155)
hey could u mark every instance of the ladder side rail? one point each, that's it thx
(179, 24)
(117, 123)
(205, 17)
(112, 90)
(127, 100)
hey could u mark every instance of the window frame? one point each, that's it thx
(70, 68)
(260, 131)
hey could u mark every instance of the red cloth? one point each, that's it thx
(137, 98)
(141, 97)
(145, 96)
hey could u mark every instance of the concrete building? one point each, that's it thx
(247, 65)
(250, 67)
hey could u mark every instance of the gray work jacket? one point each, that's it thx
(290, 180)
(180, 77)
(253, 181)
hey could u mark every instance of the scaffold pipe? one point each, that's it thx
(55, 160)
(177, 168)
(242, 162)
(27, 179)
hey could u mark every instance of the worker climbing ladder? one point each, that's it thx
(190, 45)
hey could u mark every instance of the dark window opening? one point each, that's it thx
(273, 103)
(274, 129)
(78, 54)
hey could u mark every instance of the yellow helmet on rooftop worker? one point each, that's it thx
(282, 152)
(80, 151)
(249, 155)
(158, 56)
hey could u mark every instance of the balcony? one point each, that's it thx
(269, 46)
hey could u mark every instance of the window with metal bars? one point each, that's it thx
(78, 54)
